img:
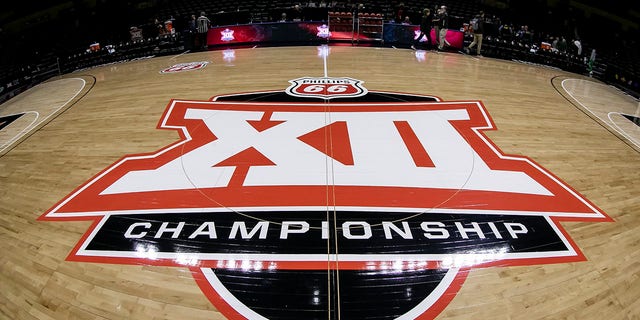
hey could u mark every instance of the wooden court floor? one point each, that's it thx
(561, 128)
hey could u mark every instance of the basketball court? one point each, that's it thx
(328, 182)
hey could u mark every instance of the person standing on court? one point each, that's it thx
(425, 29)
(436, 24)
(477, 24)
(203, 23)
(444, 27)
(191, 32)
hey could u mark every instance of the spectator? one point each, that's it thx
(425, 29)
(159, 27)
(477, 25)
(193, 26)
(592, 61)
(444, 27)
(168, 27)
(399, 13)
(136, 34)
(357, 8)
(562, 45)
(506, 31)
(578, 45)
(296, 13)
(436, 23)
(191, 31)
(524, 35)
(554, 44)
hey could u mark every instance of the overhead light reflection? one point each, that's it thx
(147, 251)
(187, 259)
(316, 296)
(324, 51)
(246, 265)
(229, 56)
(469, 260)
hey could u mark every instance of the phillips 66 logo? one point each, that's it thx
(326, 88)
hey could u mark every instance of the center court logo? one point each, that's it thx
(388, 199)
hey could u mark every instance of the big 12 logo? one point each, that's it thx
(333, 202)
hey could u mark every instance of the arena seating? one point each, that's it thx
(616, 65)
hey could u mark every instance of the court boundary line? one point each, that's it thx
(10, 146)
(612, 125)
(588, 112)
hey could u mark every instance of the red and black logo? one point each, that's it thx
(373, 206)
(188, 66)
(326, 88)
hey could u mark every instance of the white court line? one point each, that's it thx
(620, 130)
(23, 131)
(33, 124)
(324, 59)
(469, 55)
(225, 294)
(614, 126)
(331, 177)
(176, 56)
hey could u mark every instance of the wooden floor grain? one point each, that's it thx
(562, 127)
